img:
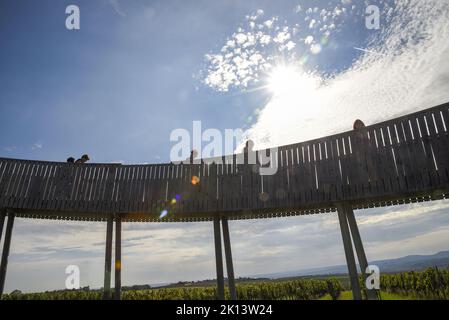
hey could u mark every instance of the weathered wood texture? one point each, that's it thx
(398, 161)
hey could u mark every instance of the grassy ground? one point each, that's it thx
(347, 295)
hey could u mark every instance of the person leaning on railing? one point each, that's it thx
(84, 158)
(362, 149)
(247, 150)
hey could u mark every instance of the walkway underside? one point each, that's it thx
(235, 215)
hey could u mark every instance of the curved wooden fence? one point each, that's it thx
(398, 161)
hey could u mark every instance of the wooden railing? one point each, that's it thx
(398, 161)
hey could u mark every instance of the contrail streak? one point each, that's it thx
(368, 51)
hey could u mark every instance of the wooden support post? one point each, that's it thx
(349, 253)
(5, 253)
(228, 255)
(219, 260)
(2, 221)
(363, 262)
(108, 259)
(118, 258)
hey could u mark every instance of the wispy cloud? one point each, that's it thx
(37, 146)
(117, 7)
(10, 148)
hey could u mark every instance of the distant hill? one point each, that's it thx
(207, 282)
(408, 263)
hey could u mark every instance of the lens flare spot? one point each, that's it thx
(263, 196)
(315, 48)
(195, 180)
(324, 40)
(163, 214)
(304, 59)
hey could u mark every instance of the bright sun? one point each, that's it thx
(288, 81)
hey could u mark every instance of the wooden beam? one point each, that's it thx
(5, 253)
(228, 255)
(108, 259)
(363, 262)
(349, 253)
(118, 258)
(219, 260)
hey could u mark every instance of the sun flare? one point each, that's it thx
(287, 81)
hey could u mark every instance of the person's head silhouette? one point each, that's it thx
(249, 145)
(358, 124)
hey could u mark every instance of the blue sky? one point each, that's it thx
(136, 70)
(115, 88)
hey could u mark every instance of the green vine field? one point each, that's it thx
(429, 284)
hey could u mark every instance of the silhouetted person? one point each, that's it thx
(362, 148)
(84, 158)
(71, 160)
(193, 155)
(249, 145)
(358, 124)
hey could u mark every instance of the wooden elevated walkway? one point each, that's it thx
(399, 161)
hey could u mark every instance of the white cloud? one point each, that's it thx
(37, 146)
(308, 40)
(290, 45)
(269, 23)
(273, 40)
(281, 37)
(240, 38)
(312, 24)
